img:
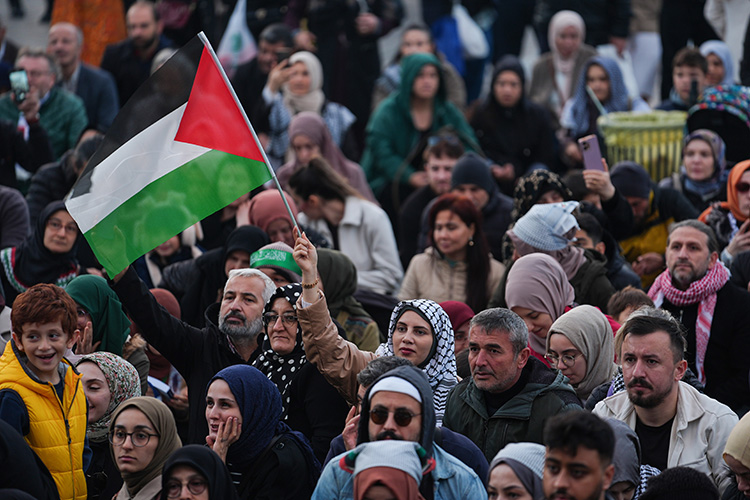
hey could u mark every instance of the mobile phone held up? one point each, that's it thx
(19, 85)
(592, 155)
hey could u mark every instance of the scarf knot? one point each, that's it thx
(702, 291)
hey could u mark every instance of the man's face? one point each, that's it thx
(494, 366)
(439, 170)
(39, 72)
(143, 29)
(575, 477)
(426, 83)
(688, 257)
(268, 55)
(476, 194)
(62, 43)
(394, 403)
(639, 206)
(649, 370)
(241, 310)
(682, 78)
(583, 240)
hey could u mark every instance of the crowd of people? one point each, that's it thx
(445, 298)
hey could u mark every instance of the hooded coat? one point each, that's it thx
(394, 145)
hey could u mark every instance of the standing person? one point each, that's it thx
(310, 404)
(356, 227)
(47, 256)
(244, 410)
(143, 435)
(40, 392)
(556, 72)
(107, 380)
(702, 174)
(197, 469)
(458, 265)
(675, 423)
(398, 130)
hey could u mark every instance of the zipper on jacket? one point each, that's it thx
(67, 429)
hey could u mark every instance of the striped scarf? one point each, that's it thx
(703, 291)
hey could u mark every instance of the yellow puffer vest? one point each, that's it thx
(57, 429)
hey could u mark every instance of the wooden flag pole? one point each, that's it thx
(215, 58)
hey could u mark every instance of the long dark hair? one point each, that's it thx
(320, 179)
(477, 255)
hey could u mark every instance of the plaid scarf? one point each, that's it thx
(703, 291)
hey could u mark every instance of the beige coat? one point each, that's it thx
(430, 276)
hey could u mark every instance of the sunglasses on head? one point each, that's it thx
(742, 187)
(401, 416)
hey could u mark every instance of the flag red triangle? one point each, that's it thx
(212, 118)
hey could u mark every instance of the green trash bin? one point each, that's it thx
(653, 139)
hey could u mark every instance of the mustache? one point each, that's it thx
(236, 314)
(640, 381)
(388, 435)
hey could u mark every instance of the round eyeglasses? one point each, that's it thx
(568, 359)
(138, 438)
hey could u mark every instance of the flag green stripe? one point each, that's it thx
(171, 204)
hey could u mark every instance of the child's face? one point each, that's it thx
(682, 78)
(44, 344)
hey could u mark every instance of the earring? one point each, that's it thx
(471, 241)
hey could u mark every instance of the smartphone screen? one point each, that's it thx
(19, 85)
(592, 156)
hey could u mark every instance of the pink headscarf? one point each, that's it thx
(312, 126)
(267, 206)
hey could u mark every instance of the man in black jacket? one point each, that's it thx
(229, 338)
(695, 288)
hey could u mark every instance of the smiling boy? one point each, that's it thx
(40, 392)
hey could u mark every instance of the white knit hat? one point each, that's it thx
(545, 227)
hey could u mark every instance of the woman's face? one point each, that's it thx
(60, 232)
(559, 346)
(183, 480)
(451, 235)
(698, 158)
(505, 485)
(280, 230)
(96, 388)
(744, 198)
(716, 70)
(427, 82)
(537, 322)
(507, 89)
(461, 337)
(412, 338)
(299, 79)
(550, 196)
(415, 42)
(169, 247)
(129, 458)
(598, 80)
(304, 149)
(82, 318)
(282, 334)
(568, 41)
(220, 405)
(624, 490)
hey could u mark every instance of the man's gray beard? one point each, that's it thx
(248, 331)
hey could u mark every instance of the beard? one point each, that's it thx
(596, 495)
(388, 435)
(246, 331)
(651, 401)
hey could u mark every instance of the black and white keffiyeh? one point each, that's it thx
(281, 370)
(441, 367)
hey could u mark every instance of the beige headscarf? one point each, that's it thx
(564, 67)
(590, 332)
(161, 418)
(314, 99)
(738, 443)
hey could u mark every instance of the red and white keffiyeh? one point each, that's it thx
(703, 291)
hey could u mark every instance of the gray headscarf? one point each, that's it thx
(627, 457)
(527, 462)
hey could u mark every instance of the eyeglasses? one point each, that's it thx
(138, 438)
(742, 187)
(56, 225)
(287, 319)
(568, 359)
(447, 138)
(401, 416)
(195, 486)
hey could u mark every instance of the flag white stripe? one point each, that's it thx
(148, 156)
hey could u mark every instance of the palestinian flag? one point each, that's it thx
(179, 150)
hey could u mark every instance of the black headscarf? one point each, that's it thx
(208, 464)
(31, 262)
(339, 277)
(282, 369)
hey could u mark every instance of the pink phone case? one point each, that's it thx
(592, 156)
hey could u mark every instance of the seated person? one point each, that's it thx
(625, 301)
(516, 472)
(689, 69)
(387, 468)
(720, 64)
(276, 262)
(631, 476)
(197, 468)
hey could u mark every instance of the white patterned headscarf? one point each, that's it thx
(440, 367)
